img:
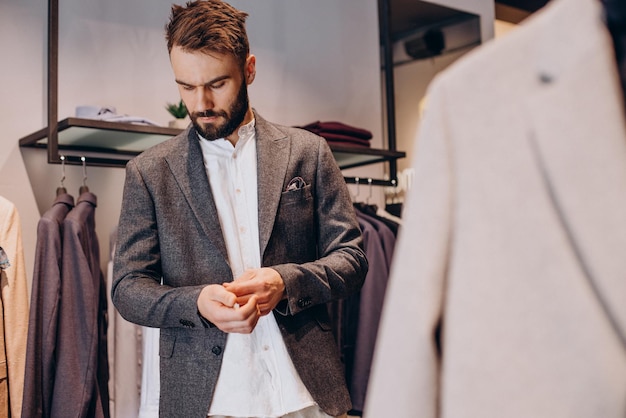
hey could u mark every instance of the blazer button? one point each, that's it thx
(187, 324)
(217, 350)
(304, 302)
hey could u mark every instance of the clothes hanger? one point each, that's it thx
(356, 195)
(369, 196)
(364, 207)
(61, 189)
(84, 188)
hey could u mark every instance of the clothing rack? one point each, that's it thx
(371, 182)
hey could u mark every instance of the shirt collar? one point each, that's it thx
(245, 133)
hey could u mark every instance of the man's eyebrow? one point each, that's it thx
(208, 83)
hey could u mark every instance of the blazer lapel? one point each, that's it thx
(272, 161)
(579, 136)
(188, 169)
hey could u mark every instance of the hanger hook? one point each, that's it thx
(356, 181)
(62, 157)
(84, 170)
(369, 183)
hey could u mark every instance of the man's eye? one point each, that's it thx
(188, 88)
(218, 85)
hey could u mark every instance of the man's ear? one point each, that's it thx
(250, 69)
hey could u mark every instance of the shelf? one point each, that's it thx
(112, 144)
(350, 157)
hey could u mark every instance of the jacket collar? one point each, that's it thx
(189, 171)
(272, 161)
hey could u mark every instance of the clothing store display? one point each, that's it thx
(385, 214)
(81, 379)
(44, 305)
(356, 318)
(375, 215)
(13, 311)
(506, 296)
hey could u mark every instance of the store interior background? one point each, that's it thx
(316, 60)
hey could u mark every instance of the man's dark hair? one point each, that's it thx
(208, 26)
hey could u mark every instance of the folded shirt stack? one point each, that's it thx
(338, 133)
(109, 114)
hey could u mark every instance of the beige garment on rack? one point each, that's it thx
(14, 304)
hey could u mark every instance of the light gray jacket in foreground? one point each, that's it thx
(169, 228)
(513, 247)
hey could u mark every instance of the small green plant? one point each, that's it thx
(178, 110)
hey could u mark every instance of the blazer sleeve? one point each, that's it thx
(340, 265)
(137, 292)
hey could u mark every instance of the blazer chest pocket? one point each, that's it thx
(295, 217)
(300, 197)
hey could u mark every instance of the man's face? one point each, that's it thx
(214, 90)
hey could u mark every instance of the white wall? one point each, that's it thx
(316, 60)
(22, 40)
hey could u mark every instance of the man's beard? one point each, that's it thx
(237, 113)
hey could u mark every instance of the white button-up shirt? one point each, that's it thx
(257, 378)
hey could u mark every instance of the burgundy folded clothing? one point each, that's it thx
(344, 138)
(337, 128)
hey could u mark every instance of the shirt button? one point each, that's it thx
(217, 350)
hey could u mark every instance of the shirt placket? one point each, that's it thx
(263, 343)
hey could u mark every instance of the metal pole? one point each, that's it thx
(53, 80)
(387, 48)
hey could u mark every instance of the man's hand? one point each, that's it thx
(222, 308)
(263, 283)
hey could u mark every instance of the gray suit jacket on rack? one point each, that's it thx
(169, 228)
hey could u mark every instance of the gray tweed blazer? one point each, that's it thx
(169, 229)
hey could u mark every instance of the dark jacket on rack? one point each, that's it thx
(44, 303)
(80, 386)
(362, 311)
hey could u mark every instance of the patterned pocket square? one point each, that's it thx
(295, 184)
